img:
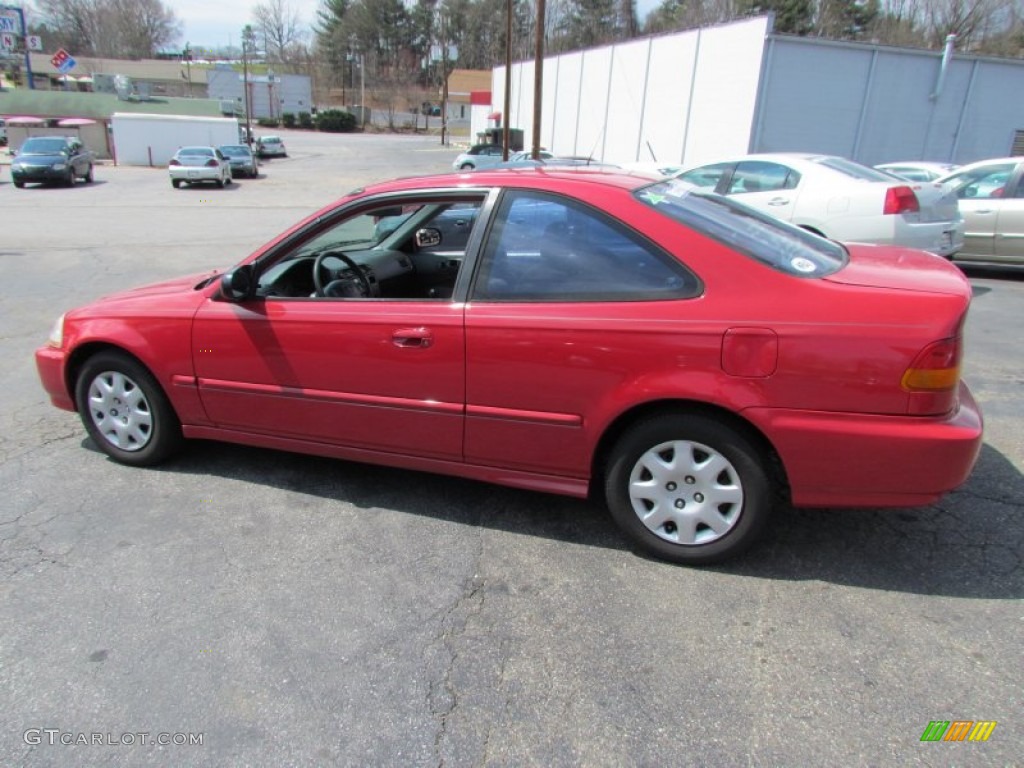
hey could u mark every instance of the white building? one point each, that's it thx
(695, 96)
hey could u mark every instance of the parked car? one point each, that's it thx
(917, 170)
(478, 156)
(197, 165)
(271, 146)
(52, 160)
(991, 196)
(840, 199)
(241, 158)
(682, 356)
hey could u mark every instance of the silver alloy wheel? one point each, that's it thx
(119, 409)
(686, 493)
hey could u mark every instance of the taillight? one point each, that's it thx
(933, 377)
(212, 163)
(174, 161)
(900, 200)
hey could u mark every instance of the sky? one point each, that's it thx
(218, 23)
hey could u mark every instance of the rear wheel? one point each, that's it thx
(89, 178)
(466, 167)
(125, 411)
(19, 184)
(175, 183)
(688, 488)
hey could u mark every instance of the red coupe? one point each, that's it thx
(682, 356)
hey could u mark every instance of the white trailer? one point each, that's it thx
(141, 139)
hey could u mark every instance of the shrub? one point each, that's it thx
(288, 120)
(335, 121)
(305, 120)
(268, 122)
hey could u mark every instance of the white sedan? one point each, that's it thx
(840, 199)
(193, 165)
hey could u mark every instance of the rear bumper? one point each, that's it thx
(943, 238)
(862, 460)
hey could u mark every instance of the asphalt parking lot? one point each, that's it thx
(288, 610)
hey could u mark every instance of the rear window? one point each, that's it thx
(852, 169)
(778, 244)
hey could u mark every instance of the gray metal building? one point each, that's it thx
(699, 95)
(270, 95)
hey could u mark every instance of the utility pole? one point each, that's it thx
(444, 80)
(247, 40)
(506, 134)
(187, 54)
(538, 79)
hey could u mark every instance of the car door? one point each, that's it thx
(379, 374)
(560, 297)
(981, 194)
(1009, 240)
(768, 186)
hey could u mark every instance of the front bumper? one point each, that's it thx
(50, 362)
(38, 174)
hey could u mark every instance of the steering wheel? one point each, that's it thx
(318, 265)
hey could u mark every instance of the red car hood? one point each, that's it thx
(908, 269)
(175, 285)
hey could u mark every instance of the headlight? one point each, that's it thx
(59, 166)
(56, 338)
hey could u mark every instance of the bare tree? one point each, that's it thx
(111, 28)
(279, 30)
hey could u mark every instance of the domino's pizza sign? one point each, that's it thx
(63, 61)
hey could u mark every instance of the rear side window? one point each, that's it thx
(761, 176)
(778, 244)
(544, 247)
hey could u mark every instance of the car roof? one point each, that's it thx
(540, 178)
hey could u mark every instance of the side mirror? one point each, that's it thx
(428, 237)
(238, 284)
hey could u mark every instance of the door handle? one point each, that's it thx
(778, 201)
(419, 338)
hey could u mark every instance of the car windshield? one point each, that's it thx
(43, 146)
(778, 244)
(234, 151)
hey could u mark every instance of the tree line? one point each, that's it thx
(413, 42)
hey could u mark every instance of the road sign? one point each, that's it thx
(7, 40)
(34, 43)
(9, 23)
(63, 61)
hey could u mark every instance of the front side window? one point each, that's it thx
(761, 176)
(706, 177)
(409, 248)
(543, 247)
(985, 183)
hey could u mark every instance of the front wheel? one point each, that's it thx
(125, 411)
(688, 489)
(89, 177)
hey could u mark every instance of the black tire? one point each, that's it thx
(175, 183)
(125, 411)
(89, 177)
(710, 472)
(18, 184)
(70, 180)
(467, 167)
(220, 183)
